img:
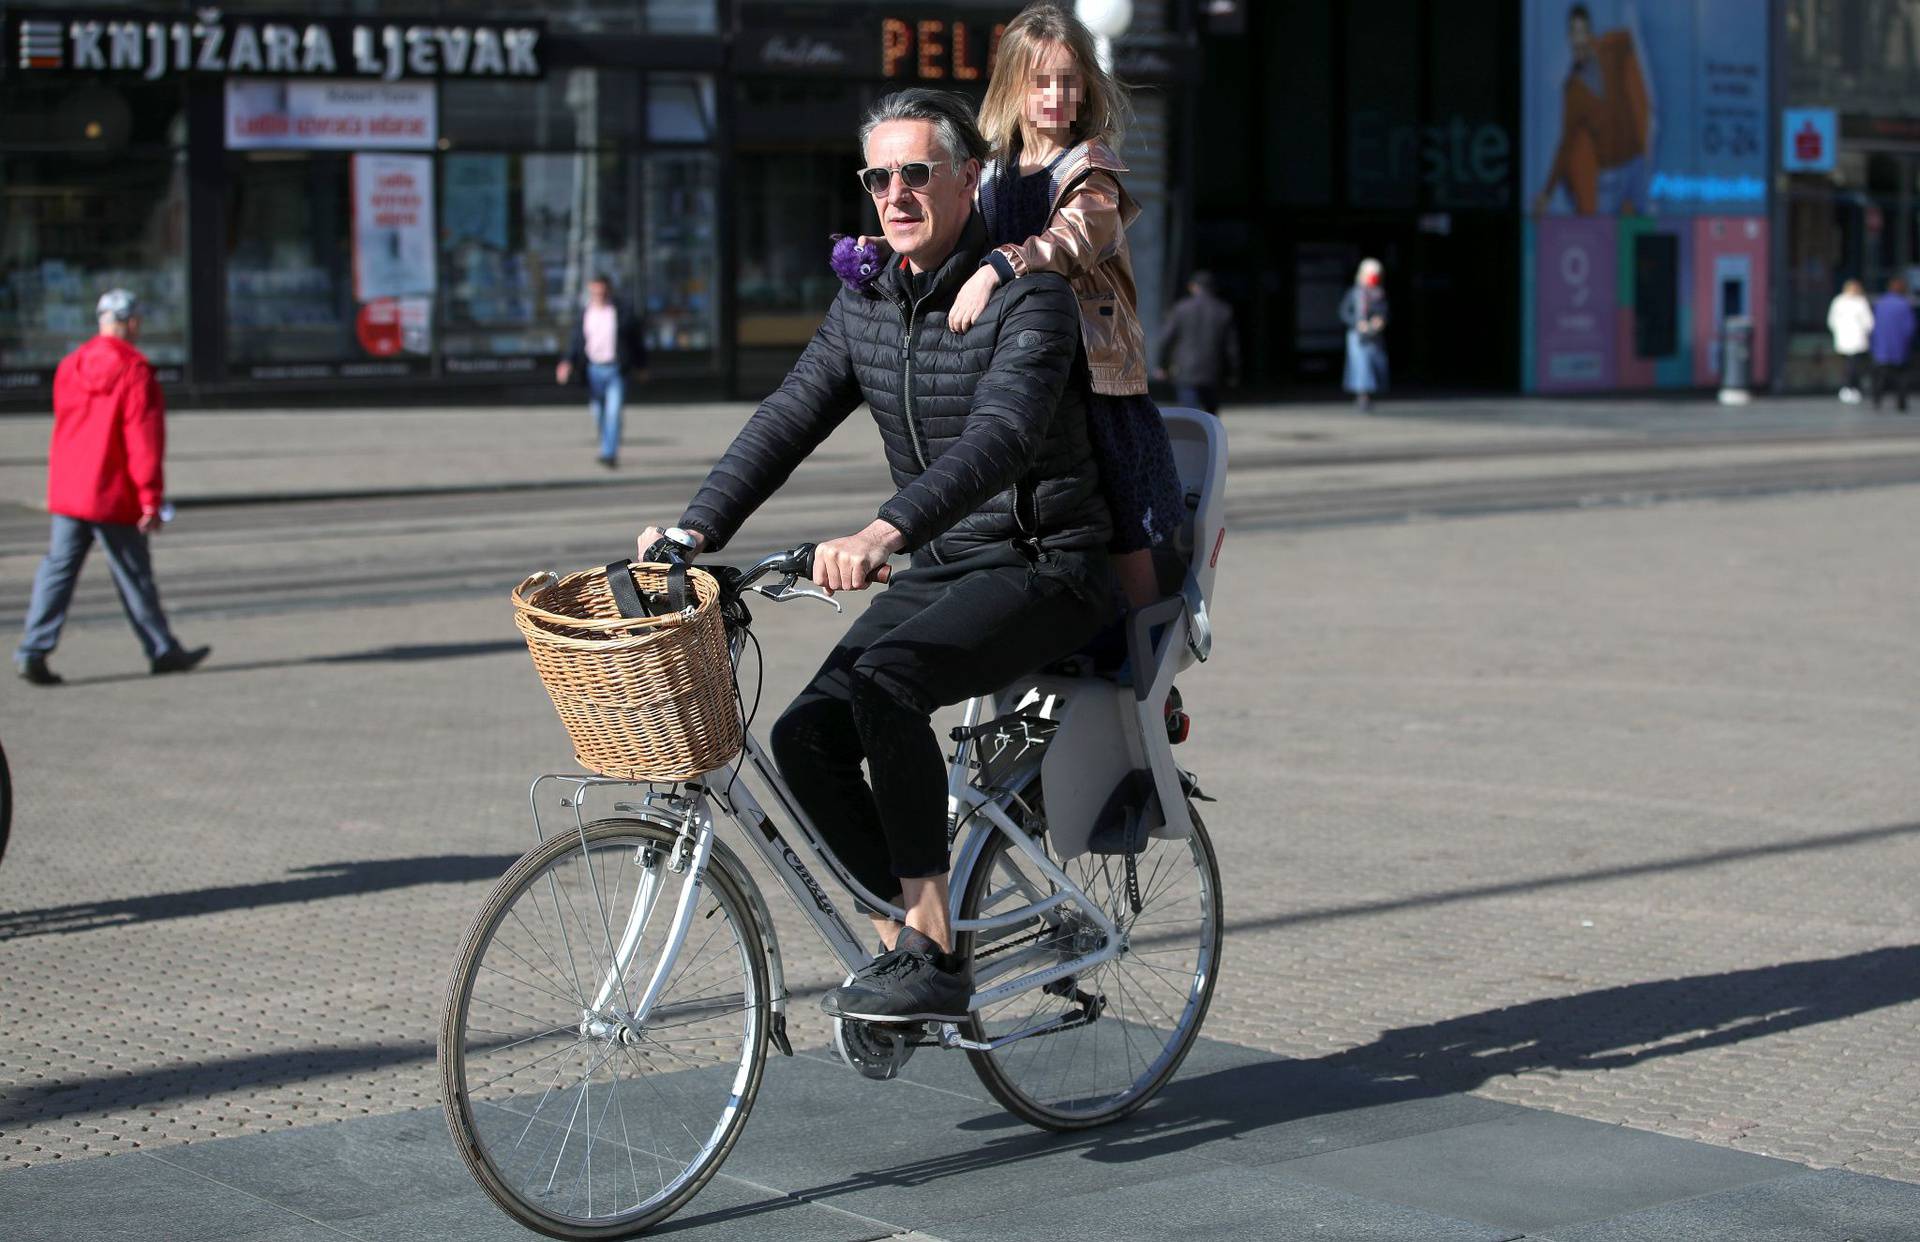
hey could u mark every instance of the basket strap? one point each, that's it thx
(627, 598)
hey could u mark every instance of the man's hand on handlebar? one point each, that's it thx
(653, 535)
(852, 563)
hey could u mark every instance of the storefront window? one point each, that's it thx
(790, 203)
(680, 251)
(521, 236)
(290, 307)
(680, 108)
(75, 225)
(93, 196)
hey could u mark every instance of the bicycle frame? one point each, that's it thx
(688, 810)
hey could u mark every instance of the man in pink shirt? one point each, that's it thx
(607, 341)
(104, 483)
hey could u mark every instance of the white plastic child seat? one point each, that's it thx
(1108, 731)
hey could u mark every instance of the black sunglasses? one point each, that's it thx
(914, 176)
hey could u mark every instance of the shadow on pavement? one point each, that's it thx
(48, 1100)
(1535, 884)
(1607, 1028)
(1617, 1027)
(406, 653)
(313, 883)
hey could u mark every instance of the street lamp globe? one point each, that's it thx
(1107, 18)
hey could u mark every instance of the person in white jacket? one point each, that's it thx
(1850, 319)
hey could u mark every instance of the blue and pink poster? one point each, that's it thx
(1643, 120)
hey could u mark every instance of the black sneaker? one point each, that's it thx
(906, 985)
(34, 669)
(179, 660)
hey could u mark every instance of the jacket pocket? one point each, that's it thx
(1099, 326)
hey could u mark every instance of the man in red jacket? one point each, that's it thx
(104, 482)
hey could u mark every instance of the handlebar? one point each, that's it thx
(795, 562)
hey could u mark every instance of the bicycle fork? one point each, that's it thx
(687, 856)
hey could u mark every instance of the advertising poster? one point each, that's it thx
(1643, 119)
(476, 199)
(1644, 108)
(393, 251)
(342, 116)
(1575, 305)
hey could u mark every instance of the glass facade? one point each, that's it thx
(93, 196)
(516, 193)
(1861, 220)
(347, 233)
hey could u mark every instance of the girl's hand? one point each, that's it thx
(972, 299)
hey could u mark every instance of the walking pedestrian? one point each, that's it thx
(1199, 346)
(607, 343)
(1892, 342)
(1364, 310)
(105, 483)
(1850, 319)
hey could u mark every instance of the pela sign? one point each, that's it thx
(211, 43)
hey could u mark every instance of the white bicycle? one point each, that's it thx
(607, 1023)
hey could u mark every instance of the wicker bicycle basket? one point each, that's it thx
(643, 698)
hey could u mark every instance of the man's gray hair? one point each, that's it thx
(950, 114)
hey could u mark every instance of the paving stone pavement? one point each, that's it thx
(1606, 813)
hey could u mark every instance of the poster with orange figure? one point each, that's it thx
(1644, 107)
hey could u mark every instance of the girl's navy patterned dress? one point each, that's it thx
(1130, 444)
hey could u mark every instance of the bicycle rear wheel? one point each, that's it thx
(582, 1130)
(1152, 998)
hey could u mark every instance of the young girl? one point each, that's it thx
(1053, 202)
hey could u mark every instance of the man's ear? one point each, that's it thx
(973, 176)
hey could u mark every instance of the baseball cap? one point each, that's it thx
(119, 303)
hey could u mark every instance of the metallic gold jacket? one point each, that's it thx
(1086, 241)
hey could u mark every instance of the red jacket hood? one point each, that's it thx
(102, 362)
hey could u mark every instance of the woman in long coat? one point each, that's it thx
(1364, 310)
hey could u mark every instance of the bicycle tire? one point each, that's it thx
(1009, 1073)
(723, 894)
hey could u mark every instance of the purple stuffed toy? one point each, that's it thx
(856, 265)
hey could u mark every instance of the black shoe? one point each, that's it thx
(906, 985)
(179, 660)
(34, 669)
(609, 462)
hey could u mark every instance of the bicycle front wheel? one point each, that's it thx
(1149, 1001)
(575, 1123)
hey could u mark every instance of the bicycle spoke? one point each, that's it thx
(540, 1108)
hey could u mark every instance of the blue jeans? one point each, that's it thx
(132, 576)
(606, 390)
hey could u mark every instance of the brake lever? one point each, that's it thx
(789, 588)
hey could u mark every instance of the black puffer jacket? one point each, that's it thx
(986, 433)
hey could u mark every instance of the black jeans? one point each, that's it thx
(941, 634)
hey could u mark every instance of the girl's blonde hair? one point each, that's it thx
(1104, 106)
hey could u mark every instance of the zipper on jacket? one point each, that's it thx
(906, 399)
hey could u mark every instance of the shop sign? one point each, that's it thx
(931, 49)
(1808, 137)
(268, 114)
(834, 52)
(209, 42)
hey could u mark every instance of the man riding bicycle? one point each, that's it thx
(997, 501)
